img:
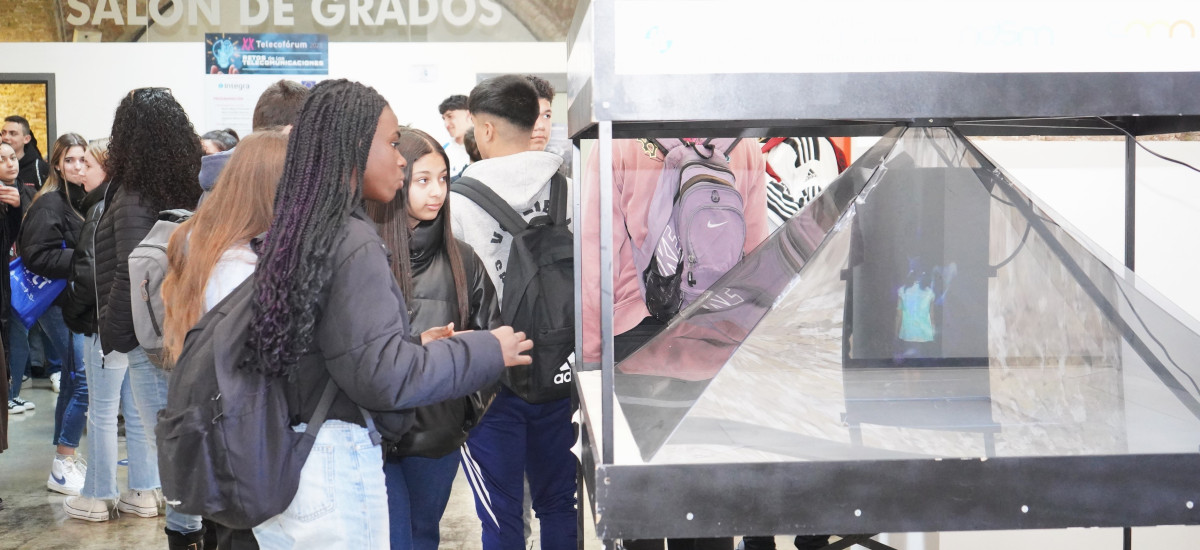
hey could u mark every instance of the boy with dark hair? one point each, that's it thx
(279, 104)
(276, 109)
(457, 119)
(541, 128)
(33, 168)
(515, 438)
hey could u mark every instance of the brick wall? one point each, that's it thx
(29, 101)
(29, 21)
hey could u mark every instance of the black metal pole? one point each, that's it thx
(1130, 196)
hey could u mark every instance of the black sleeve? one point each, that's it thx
(41, 242)
(485, 306)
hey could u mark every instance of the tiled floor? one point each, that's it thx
(33, 518)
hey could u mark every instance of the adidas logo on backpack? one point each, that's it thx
(696, 225)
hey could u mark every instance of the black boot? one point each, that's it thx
(185, 541)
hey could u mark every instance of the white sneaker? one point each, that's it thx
(90, 509)
(29, 406)
(66, 475)
(140, 503)
(55, 380)
(14, 408)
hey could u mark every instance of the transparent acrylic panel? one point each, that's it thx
(925, 306)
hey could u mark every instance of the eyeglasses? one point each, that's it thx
(150, 92)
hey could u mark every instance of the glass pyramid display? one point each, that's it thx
(924, 305)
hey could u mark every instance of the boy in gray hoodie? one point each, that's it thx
(515, 438)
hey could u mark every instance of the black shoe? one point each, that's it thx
(185, 541)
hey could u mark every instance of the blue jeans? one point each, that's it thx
(109, 391)
(149, 387)
(70, 413)
(516, 440)
(341, 501)
(418, 489)
(19, 351)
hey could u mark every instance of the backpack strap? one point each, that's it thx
(490, 202)
(558, 199)
(322, 411)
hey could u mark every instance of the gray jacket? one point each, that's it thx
(362, 340)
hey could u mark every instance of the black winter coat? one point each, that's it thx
(441, 428)
(125, 222)
(49, 232)
(10, 226)
(362, 341)
(79, 308)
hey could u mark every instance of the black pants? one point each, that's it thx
(802, 542)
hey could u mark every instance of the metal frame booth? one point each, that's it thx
(635, 72)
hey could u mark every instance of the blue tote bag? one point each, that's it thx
(32, 294)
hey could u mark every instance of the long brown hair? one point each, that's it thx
(240, 207)
(394, 227)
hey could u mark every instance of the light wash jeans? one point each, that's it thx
(108, 390)
(342, 499)
(149, 386)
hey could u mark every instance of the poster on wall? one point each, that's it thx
(241, 66)
(293, 54)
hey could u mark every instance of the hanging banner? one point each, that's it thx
(266, 54)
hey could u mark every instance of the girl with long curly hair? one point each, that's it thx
(47, 241)
(445, 285)
(153, 165)
(326, 306)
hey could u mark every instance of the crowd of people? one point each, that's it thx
(338, 222)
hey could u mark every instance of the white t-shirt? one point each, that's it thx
(459, 158)
(236, 265)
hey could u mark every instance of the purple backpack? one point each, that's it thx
(696, 228)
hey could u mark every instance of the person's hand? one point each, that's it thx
(437, 333)
(513, 345)
(10, 195)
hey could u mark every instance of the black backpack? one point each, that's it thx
(539, 288)
(226, 447)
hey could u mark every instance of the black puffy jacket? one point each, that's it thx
(441, 428)
(125, 222)
(49, 232)
(79, 308)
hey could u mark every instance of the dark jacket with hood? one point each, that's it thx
(79, 308)
(363, 341)
(441, 428)
(49, 232)
(33, 168)
(125, 222)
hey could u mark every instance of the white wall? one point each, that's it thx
(91, 79)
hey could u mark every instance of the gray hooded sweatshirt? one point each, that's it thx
(523, 180)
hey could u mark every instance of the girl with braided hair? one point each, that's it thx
(327, 306)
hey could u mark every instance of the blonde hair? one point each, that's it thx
(240, 206)
(55, 181)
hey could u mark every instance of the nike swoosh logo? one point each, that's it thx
(710, 224)
(58, 479)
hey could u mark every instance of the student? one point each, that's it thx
(457, 119)
(108, 385)
(636, 166)
(48, 236)
(276, 109)
(327, 306)
(541, 127)
(218, 141)
(17, 133)
(446, 288)
(10, 225)
(515, 438)
(204, 270)
(153, 162)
